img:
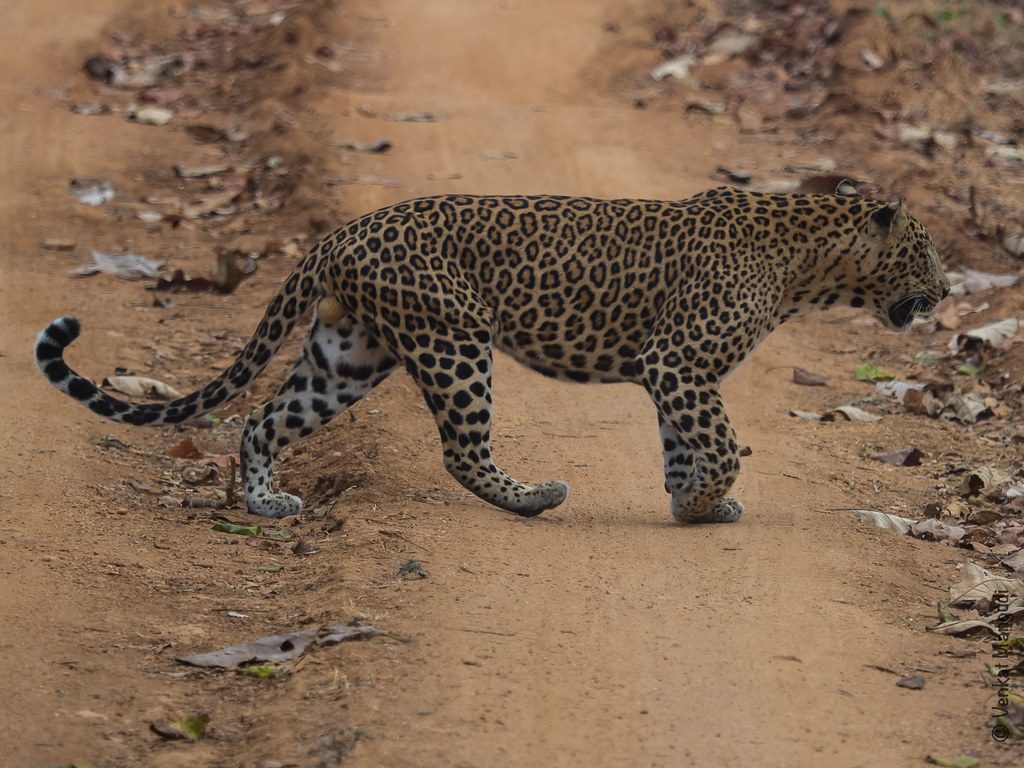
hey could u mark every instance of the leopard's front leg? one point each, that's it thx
(698, 479)
(699, 444)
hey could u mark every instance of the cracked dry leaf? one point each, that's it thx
(141, 386)
(976, 584)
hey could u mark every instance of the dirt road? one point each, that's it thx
(598, 634)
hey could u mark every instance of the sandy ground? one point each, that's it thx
(598, 634)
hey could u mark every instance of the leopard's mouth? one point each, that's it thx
(902, 312)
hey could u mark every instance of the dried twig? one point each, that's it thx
(229, 499)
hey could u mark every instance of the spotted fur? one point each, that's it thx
(669, 295)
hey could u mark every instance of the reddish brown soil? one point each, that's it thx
(598, 634)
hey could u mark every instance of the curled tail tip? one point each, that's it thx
(50, 344)
(60, 332)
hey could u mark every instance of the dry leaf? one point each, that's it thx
(92, 191)
(805, 415)
(884, 520)
(896, 388)
(231, 269)
(186, 449)
(198, 172)
(983, 480)
(936, 530)
(1015, 562)
(127, 266)
(303, 547)
(852, 413)
(977, 584)
(922, 402)
(967, 408)
(808, 379)
(973, 281)
(278, 648)
(908, 457)
(997, 335)
(964, 625)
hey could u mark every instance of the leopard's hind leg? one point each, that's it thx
(340, 363)
(455, 375)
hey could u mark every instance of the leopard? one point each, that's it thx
(671, 295)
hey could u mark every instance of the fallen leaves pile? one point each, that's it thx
(199, 83)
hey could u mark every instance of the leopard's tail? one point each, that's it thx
(299, 291)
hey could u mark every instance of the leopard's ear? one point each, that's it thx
(891, 219)
(846, 188)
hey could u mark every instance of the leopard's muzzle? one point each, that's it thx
(903, 311)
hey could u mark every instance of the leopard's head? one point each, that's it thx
(898, 271)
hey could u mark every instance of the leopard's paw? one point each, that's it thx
(728, 510)
(543, 496)
(274, 505)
